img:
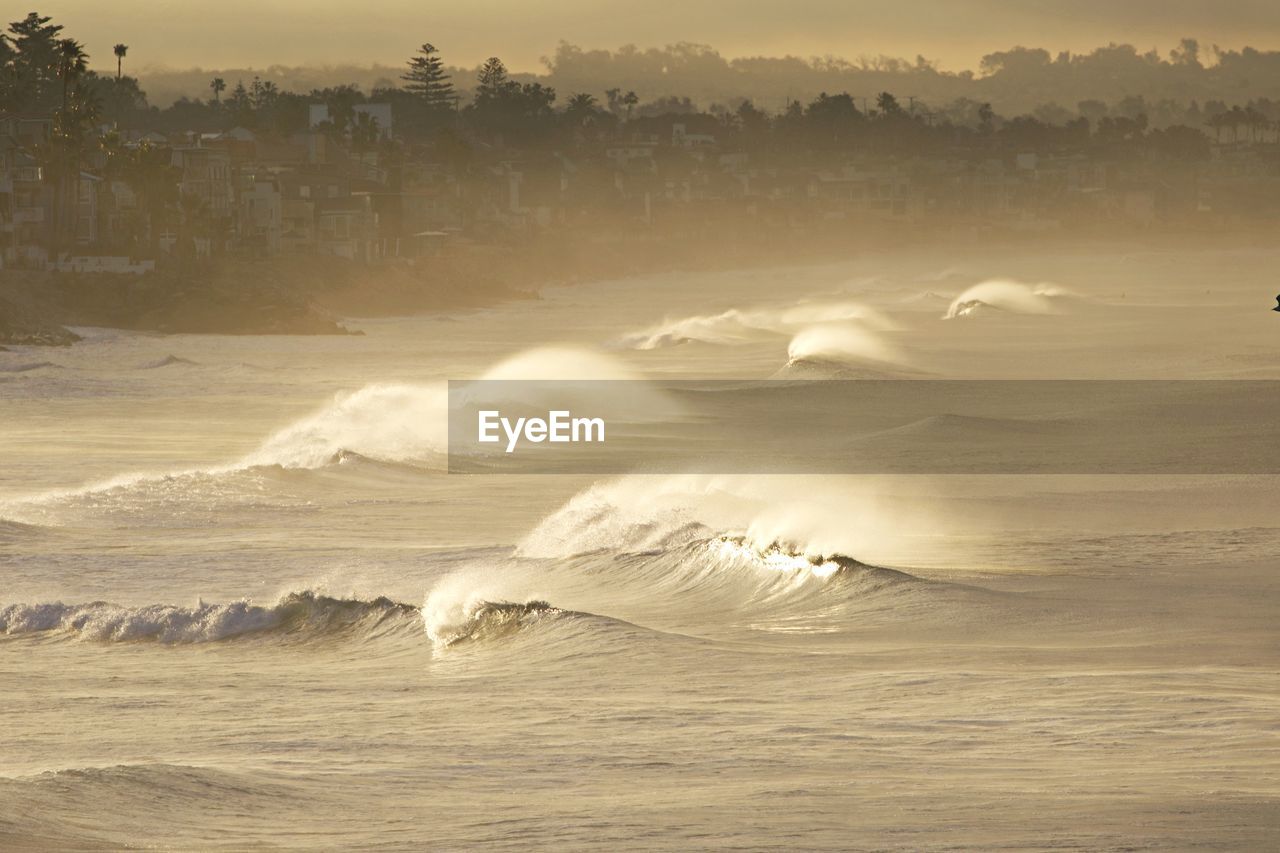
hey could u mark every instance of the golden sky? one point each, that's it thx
(230, 33)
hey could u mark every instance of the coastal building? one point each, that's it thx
(260, 217)
(205, 174)
(347, 227)
(26, 203)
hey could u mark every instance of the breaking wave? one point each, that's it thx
(701, 589)
(697, 556)
(844, 351)
(737, 326)
(811, 515)
(560, 363)
(1013, 297)
(387, 423)
(832, 369)
(403, 424)
(728, 327)
(483, 621)
(572, 378)
(842, 343)
(690, 556)
(298, 615)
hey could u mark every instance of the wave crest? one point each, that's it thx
(483, 621)
(389, 423)
(305, 614)
(1013, 297)
(739, 326)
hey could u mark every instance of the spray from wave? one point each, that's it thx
(387, 423)
(809, 516)
(738, 326)
(677, 553)
(560, 362)
(474, 607)
(408, 423)
(728, 327)
(1013, 297)
(573, 378)
(844, 342)
(399, 424)
(844, 351)
(482, 621)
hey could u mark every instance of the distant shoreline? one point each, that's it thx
(313, 295)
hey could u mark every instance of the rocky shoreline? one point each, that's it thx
(23, 325)
(294, 296)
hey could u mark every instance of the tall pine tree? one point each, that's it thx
(428, 80)
(492, 83)
(29, 76)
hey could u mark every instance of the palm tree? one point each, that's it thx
(120, 50)
(217, 84)
(581, 106)
(72, 63)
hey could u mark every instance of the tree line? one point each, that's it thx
(440, 116)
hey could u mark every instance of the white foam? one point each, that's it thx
(1014, 297)
(389, 423)
(841, 342)
(738, 326)
(812, 515)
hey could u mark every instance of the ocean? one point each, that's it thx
(243, 604)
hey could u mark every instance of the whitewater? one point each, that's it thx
(243, 604)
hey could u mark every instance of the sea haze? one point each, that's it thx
(243, 602)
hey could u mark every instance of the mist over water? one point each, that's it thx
(840, 342)
(392, 423)
(244, 604)
(1012, 296)
(736, 326)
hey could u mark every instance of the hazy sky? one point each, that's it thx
(228, 33)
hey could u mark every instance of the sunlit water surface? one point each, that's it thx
(242, 605)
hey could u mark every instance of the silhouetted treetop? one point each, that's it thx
(428, 79)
